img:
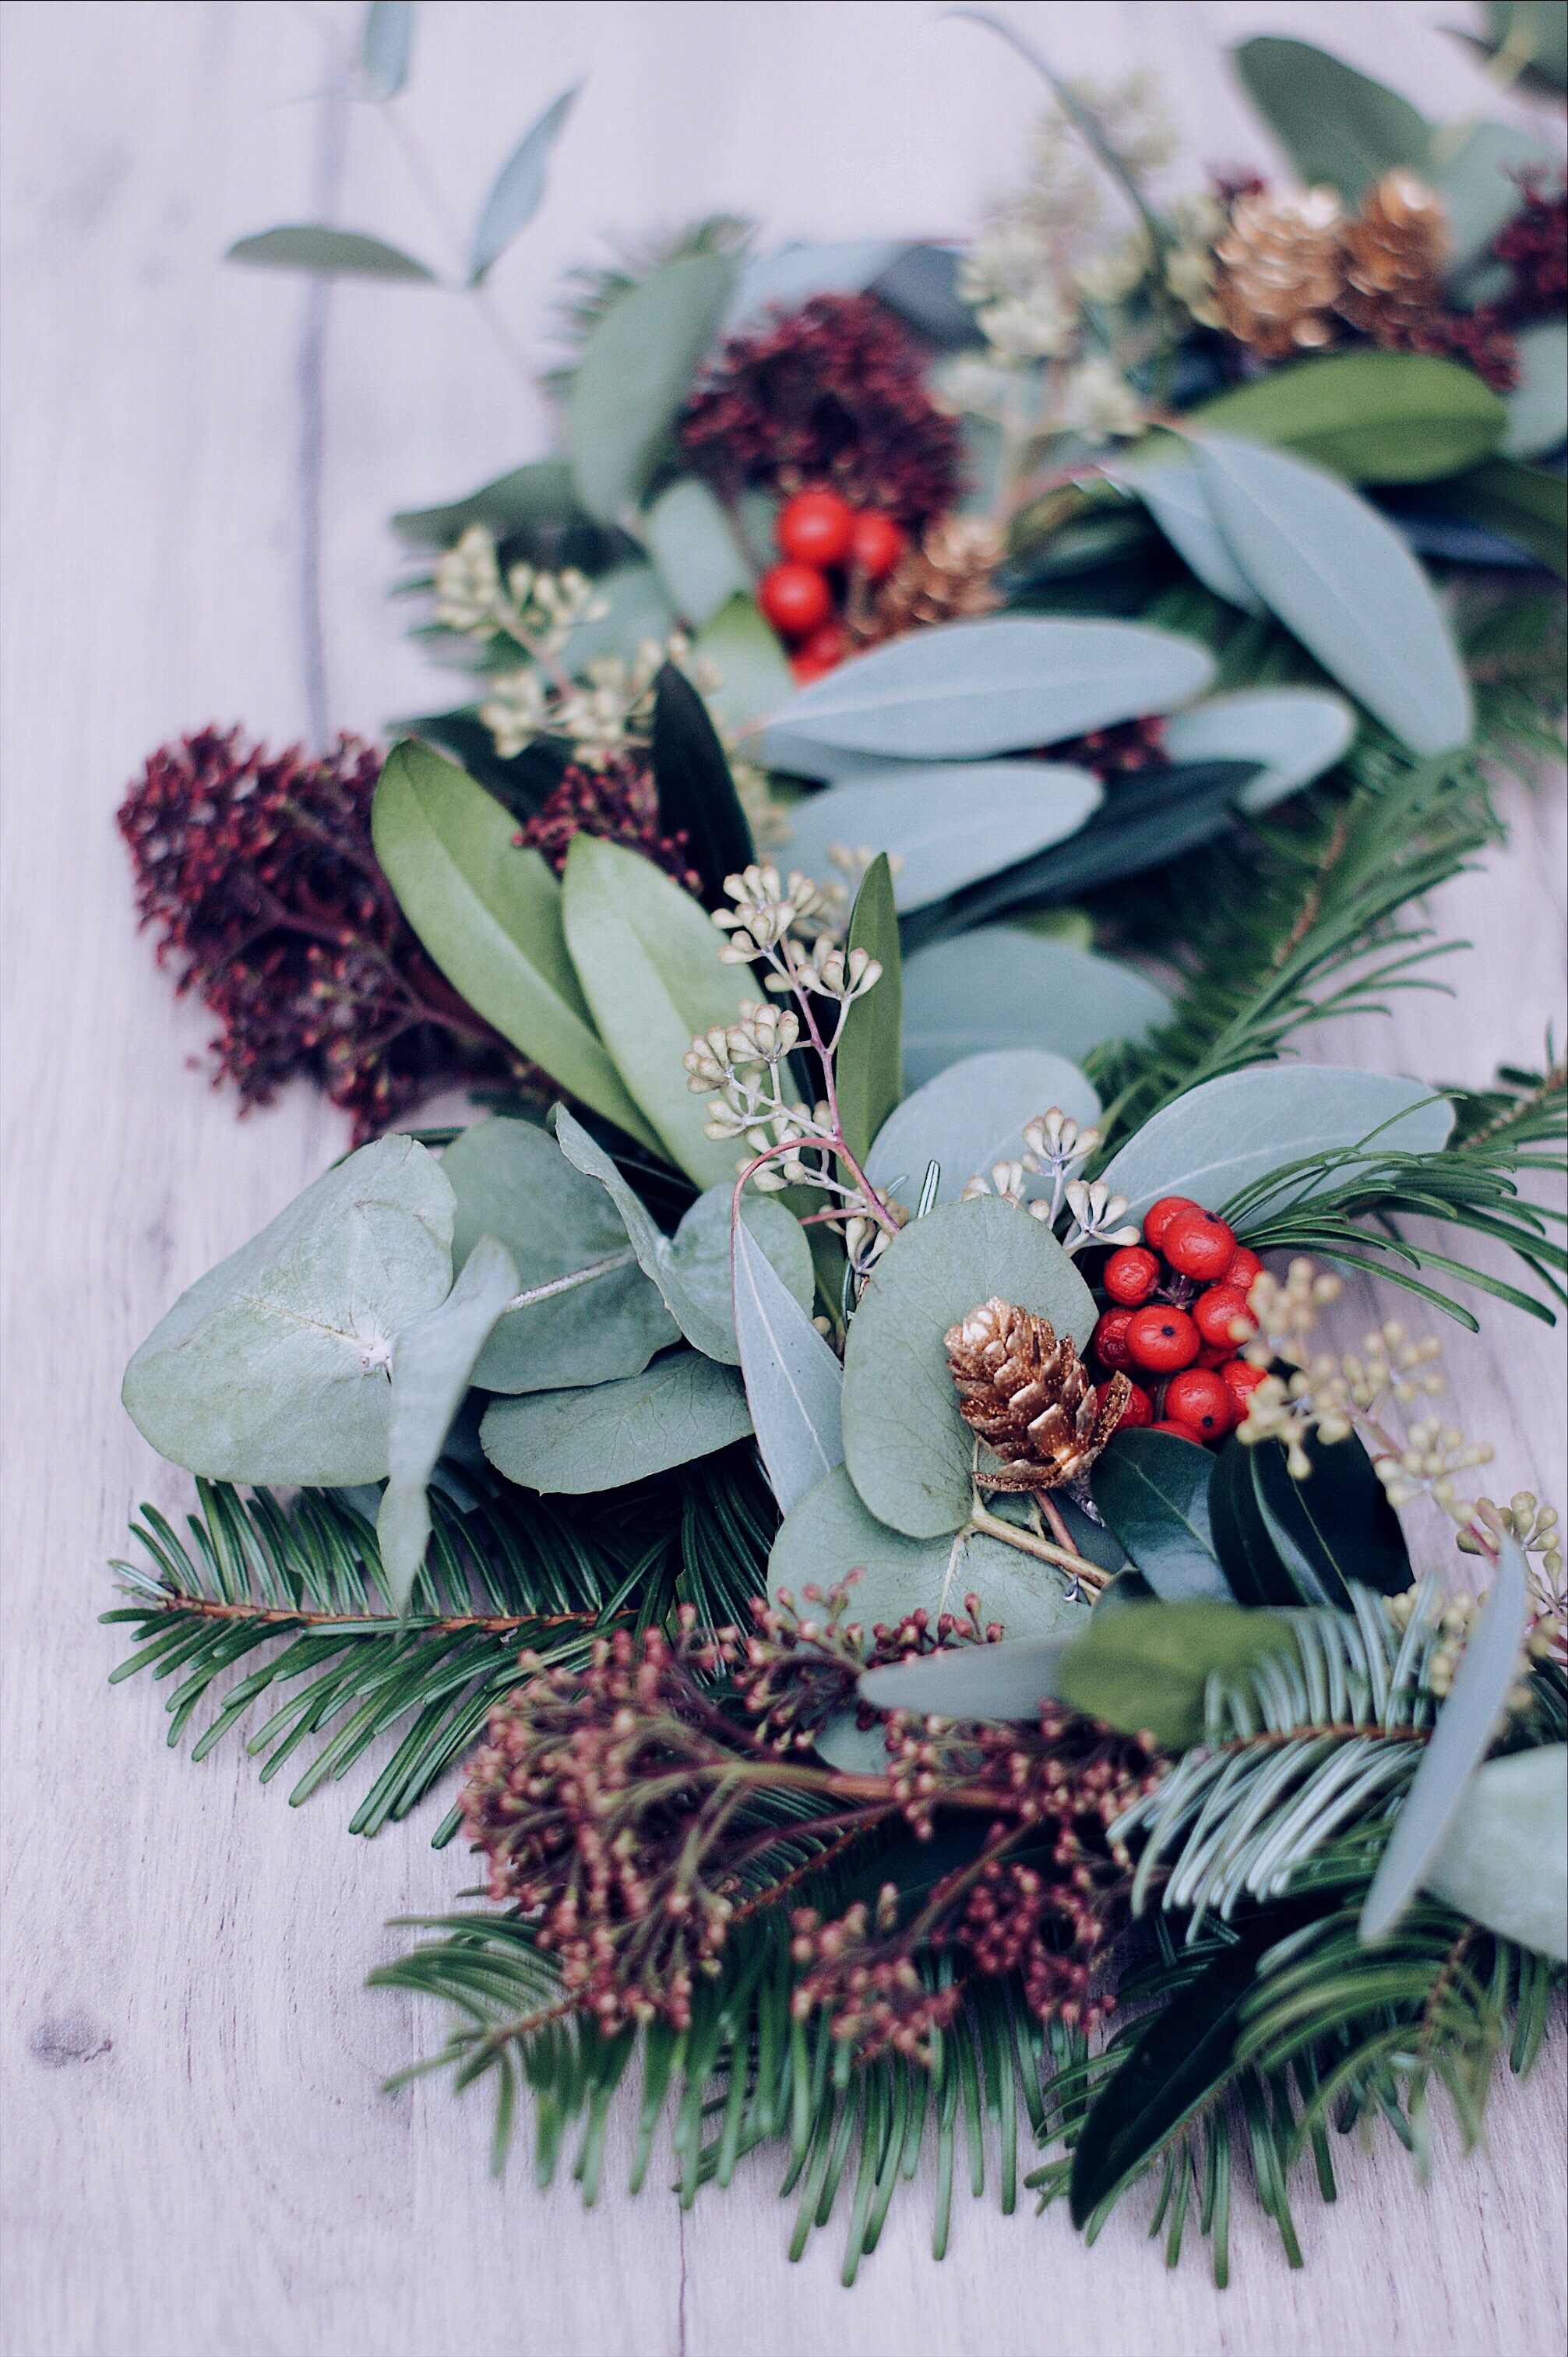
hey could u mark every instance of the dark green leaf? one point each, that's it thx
(1152, 1490)
(529, 496)
(1335, 1527)
(518, 187)
(696, 793)
(869, 1079)
(1373, 417)
(1248, 1555)
(1526, 504)
(1334, 123)
(328, 253)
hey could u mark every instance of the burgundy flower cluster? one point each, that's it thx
(830, 395)
(257, 871)
(1116, 751)
(619, 802)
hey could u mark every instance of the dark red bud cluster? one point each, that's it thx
(619, 803)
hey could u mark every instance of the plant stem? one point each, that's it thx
(1065, 1558)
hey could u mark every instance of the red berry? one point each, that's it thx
(1159, 1217)
(1214, 1314)
(1162, 1340)
(875, 544)
(1109, 1342)
(1214, 1354)
(1243, 1269)
(796, 599)
(1240, 1380)
(1199, 1243)
(1178, 1431)
(826, 646)
(815, 528)
(1129, 1274)
(1201, 1398)
(1139, 1410)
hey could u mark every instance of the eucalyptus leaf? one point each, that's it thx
(1476, 170)
(696, 791)
(794, 1384)
(1505, 1859)
(589, 1314)
(580, 1442)
(1372, 417)
(1295, 733)
(433, 1363)
(1468, 1721)
(1147, 1666)
(1152, 1490)
(1229, 1133)
(693, 547)
(386, 47)
(1341, 577)
(752, 668)
(1174, 497)
(648, 956)
(1527, 42)
(1538, 405)
(489, 915)
(325, 252)
(1335, 124)
(273, 1367)
(947, 825)
(908, 1451)
(983, 1681)
(636, 610)
(518, 188)
(971, 1116)
(869, 1075)
(1001, 988)
(961, 691)
(635, 373)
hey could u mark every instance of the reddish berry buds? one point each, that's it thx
(1199, 1243)
(1159, 1217)
(815, 528)
(875, 544)
(1130, 1274)
(1162, 1340)
(1219, 1312)
(795, 599)
(1201, 1398)
(1109, 1342)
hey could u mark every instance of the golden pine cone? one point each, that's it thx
(948, 578)
(1395, 249)
(1279, 274)
(1028, 1396)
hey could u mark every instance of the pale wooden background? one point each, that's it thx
(198, 2161)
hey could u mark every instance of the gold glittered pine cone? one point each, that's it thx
(947, 578)
(1393, 250)
(1028, 1396)
(1280, 272)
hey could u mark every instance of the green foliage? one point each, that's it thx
(324, 252)
(1285, 1542)
(696, 793)
(634, 374)
(610, 1435)
(971, 1116)
(1335, 124)
(869, 1063)
(518, 188)
(1373, 416)
(1002, 987)
(1152, 1490)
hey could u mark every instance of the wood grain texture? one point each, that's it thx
(197, 2160)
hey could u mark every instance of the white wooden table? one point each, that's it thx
(198, 2161)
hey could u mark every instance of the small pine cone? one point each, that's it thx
(1028, 1397)
(948, 578)
(1393, 251)
(1280, 273)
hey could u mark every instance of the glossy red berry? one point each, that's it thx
(1130, 1274)
(1200, 1244)
(1138, 1412)
(1109, 1342)
(1240, 1380)
(796, 599)
(1162, 1340)
(1214, 1354)
(1201, 1398)
(815, 528)
(1178, 1431)
(1244, 1268)
(826, 646)
(1159, 1217)
(1215, 1313)
(875, 544)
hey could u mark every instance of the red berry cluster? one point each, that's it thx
(827, 548)
(1179, 1313)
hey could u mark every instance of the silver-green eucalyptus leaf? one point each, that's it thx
(743, 655)
(580, 1442)
(984, 1682)
(518, 188)
(433, 1364)
(1504, 1860)
(1173, 494)
(1296, 732)
(793, 1382)
(693, 545)
(971, 1115)
(634, 375)
(1538, 405)
(273, 1368)
(1000, 987)
(947, 823)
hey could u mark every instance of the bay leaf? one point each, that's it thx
(1504, 1860)
(972, 1115)
(1371, 416)
(697, 790)
(634, 374)
(577, 1443)
(1335, 124)
(1001, 988)
(1294, 733)
(1146, 1666)
(794, 1383)
(945, 825)
(1152, 1490)
(1174, 497)
(992, 1682)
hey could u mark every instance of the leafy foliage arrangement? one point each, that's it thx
(916, 1723)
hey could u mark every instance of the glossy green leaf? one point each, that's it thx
(1527, 505)
(518, 188)
(965, 690)
(1152, 1490)
(869, 1078)
(1341, 579)
(489, 915)
(971, 1116)
(695, 551)
(696, 791)
(691, 1268)
(1335, 124)
(794, 1383)
(1504, 1860)
(273, 1367)
(908, 1450)
(540, 493)
(648, 957)
(433, 1363)
(1538, 405)
(1372, 417)
(1226, 1134)
(325, 253)
(1003, 988)
(1147, 1666)
(945, 824)
(1295, 733)
(1335, 1526)
(1469, 1722)
(635, 373)
(749, 663)
(590, 1315)
(386, 47)
(578, 1443)
(1251, 1563)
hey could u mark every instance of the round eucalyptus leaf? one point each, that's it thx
(1001, 988)
(908, 1450)
(972, 1115)
(584, 1441)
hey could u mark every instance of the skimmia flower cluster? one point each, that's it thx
(1055, 1145)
